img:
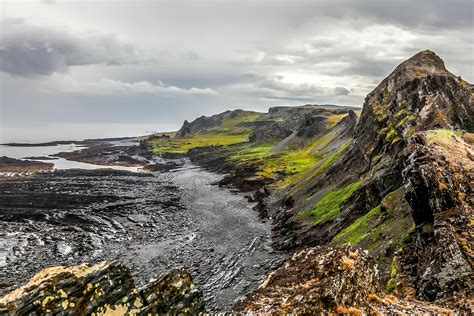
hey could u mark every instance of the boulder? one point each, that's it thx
(102, 288)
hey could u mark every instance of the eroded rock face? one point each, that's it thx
(303, 122)
(102, 288)
(205, 123)
(420, 94)
(438, 261)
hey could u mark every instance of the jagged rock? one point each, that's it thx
(204, 123)
(438, 261)
(303, 122)
(420, 94)
(341, 280)
(316, 280)
(102, 288)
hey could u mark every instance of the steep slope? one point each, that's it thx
(360, 196)
(386, 181)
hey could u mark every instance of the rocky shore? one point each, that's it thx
(151, 222)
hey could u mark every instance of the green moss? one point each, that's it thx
(392, 282)
(400, 113)
(359, 230)
(439, 134)
(410, 132)
(404, 120)
(334, 119)
(391, 285)
(182, 145)
(391, 134)
(329, 205)
(287, 166)
(396, 140)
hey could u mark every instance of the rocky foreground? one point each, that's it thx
(103, 288)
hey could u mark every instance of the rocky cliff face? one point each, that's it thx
(103, 288)
(204, 124)
(303, 122)
(438, 259)
(389, 172)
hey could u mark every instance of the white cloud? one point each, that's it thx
(67, 84)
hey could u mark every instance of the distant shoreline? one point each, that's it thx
(70, 142)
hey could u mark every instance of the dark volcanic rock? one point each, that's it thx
(103, 288)
(420, 94)
(438, 260)
(22, 167)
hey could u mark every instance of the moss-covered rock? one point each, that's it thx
(100, 289)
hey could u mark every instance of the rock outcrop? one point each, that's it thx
(303, 122)
(339, 280)
(10, 167)
(103, 288)
(204, 123)
(316, 280)
(393, 160)
(438, 260)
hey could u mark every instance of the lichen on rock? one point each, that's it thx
(102, 289)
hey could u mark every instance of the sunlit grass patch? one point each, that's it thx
(359, 230)
(439, 135)
(182, 145)
(334, 119)
(328, 205)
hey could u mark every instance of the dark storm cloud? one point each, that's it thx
(181, 59)
(429, 14)
(27, 50)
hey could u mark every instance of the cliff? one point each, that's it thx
(395, 181)
(402, 189)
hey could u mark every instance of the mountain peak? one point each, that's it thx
(422, 64)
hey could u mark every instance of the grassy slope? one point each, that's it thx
(328, 205)
(226, 134)
(382, 230)
(291, 167)
(284, 166)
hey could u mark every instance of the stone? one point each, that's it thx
(103, 288)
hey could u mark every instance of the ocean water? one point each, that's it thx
(59, 163)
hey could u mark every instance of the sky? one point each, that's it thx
(83, 69)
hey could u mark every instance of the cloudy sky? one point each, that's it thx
(78, 69)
